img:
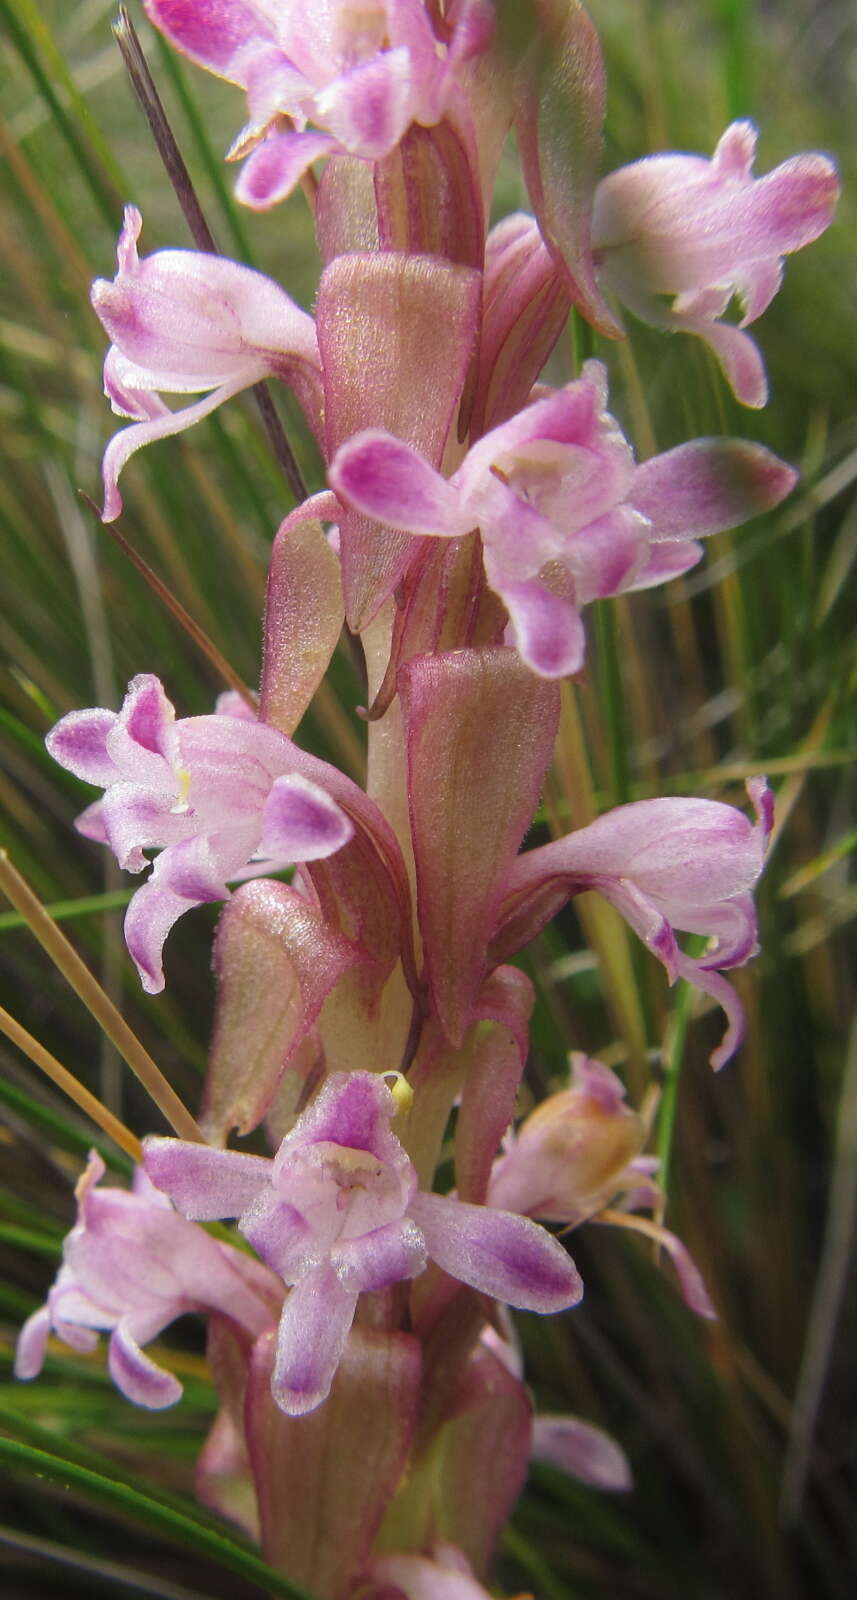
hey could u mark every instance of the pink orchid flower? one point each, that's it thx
(182, 321)
(704, 231)
(566, 515)
(577, 1152)
(666, 865)
(361, 73)
(338, 1212)
(213, 793)
(131, 1265)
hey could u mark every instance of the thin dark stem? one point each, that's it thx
(166, 596)
(144, 88)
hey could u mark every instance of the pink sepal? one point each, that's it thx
(583, 1451)
(271, 172)
(559, 111)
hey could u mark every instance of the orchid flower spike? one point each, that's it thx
(360, 72)
(337, 1212)
(666, 865)
(565, 514)
(182, 321)
(704, 231)
(214, 793)
(131, 1265)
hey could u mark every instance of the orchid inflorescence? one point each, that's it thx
(471, 513)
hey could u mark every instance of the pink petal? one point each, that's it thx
(368, 110)
(505, 1256)
(736, 151)
(316, 1319)
(386, 479)
(690, 1278)
(385, 1256)
(125, 443)
(418, 1578)
(205, 1184)
(722, 991)
(212, 32)
(79, 743)
(151, 914)
(352, 1109)
(137, 1375)
(300, 822)
(738, 354)
(666, 560)
(547, 629)
(134, 819)
(273, 169)
(90, 823)
(582, 1450)
(32, 1342)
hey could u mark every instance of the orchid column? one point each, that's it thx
(469, 516)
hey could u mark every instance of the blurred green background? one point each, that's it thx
(742, 1433)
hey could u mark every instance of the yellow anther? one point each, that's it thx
(400, 1089)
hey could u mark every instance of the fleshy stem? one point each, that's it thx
(166, 596)
(144, 88)
(79, 977)
(71, 1086)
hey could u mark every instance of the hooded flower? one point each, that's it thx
(131, 1265)
(360, 72)
(576, 1152)
(565, 514)
(704, 231)
(182, 321)
(666, 865)
(337, 1212)
(213, 793)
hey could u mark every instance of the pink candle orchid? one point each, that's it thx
(360, 73)
(704, 231)
(667, 865)
(212, 793)
(367, 1027)
(131, 1265)
(565, 514)
(180, 322)
(338, 1213)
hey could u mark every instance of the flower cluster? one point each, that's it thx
(366, 1025)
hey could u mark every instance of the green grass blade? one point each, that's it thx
(162, 1520)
